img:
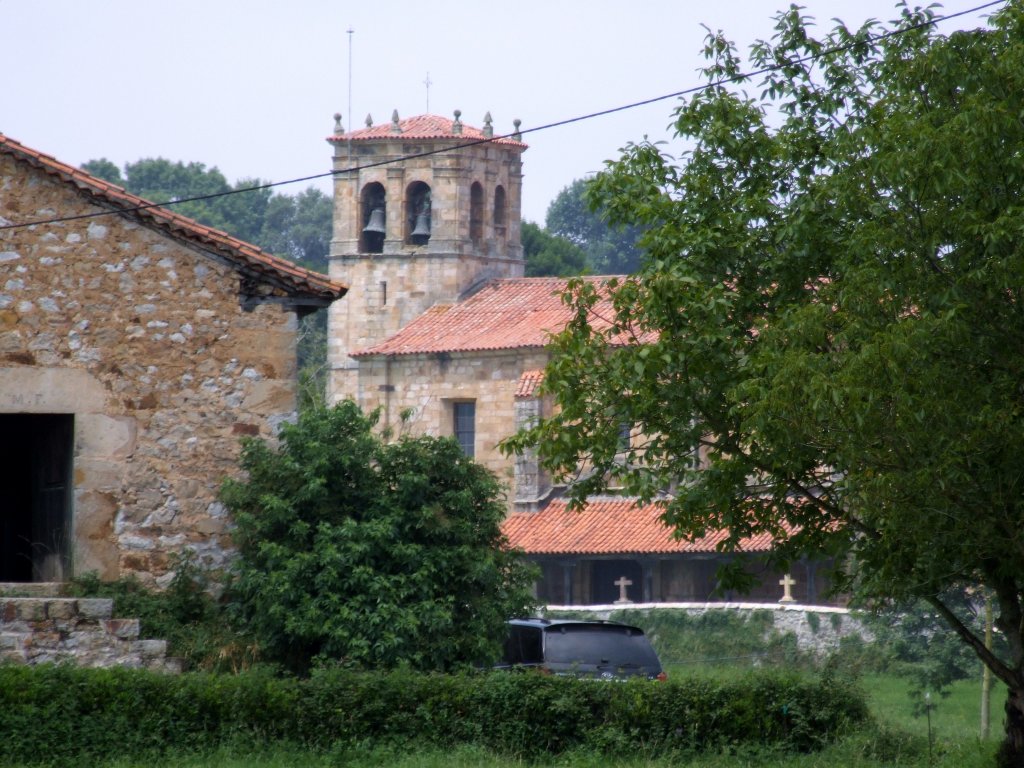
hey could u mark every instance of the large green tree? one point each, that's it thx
(372, 553)
(295, 227)
(548, 255)
(299, 228)
(830, 315)
(579, 217)
(163, 181)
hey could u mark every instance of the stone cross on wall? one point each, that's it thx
(786, 582)
(622, 583)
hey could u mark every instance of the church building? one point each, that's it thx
(441, 331)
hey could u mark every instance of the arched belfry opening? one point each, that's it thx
(418, 213)
(476, 213)
(500, 216)
(373, 210)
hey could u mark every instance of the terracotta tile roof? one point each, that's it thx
(504, 314)
(247, 258)
(528, 383)
(422, 127)
(607, 526)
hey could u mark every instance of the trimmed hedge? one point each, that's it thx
(57, 715)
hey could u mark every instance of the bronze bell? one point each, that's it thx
(422, 228)
(376, 224)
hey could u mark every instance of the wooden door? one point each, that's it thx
(51, 438)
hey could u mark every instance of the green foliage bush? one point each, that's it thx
(63, 715)
(369, 553)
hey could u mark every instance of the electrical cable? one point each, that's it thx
(518, 134)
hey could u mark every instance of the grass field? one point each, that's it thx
(898, 738)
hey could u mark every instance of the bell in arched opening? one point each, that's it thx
(375, 226)
(375, 221)
(421, 230)
(419, 214)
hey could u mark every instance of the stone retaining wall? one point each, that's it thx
(817, 628)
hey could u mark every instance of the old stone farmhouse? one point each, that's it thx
(136, 348)
(442, 333)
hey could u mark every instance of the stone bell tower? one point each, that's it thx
(426, 209)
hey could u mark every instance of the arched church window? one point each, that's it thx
(373, 209)
(417, 213)
(500, 212)
(476, 212)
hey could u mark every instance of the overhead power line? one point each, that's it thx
(547, 126)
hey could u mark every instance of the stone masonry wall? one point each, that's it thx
(52, 630)
(143, 340)
(425, 386)
(387, 292)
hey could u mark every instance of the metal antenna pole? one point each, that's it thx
(428, 82)
(351, 121)
(350, 32)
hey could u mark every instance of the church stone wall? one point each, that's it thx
(423, 388)
(143, 341)
(387, 293)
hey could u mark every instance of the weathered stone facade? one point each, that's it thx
(416, 392)
(158, 343)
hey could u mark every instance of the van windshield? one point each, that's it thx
(598, 644)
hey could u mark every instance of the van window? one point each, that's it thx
(589, 643)
(524, 645)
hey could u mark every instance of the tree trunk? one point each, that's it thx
(1011, 752)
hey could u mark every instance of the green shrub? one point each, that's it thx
(64, 715)
(378, 554)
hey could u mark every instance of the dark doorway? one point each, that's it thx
(35, 496)
(605, 573)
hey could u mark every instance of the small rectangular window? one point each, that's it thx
(464, 426)
(625, 437)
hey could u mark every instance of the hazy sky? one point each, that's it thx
(250, 86)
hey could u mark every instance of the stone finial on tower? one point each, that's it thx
(395, 127)
(457, 124)
(488, 125)
(338, 128)
(369, 120)
(517, 135)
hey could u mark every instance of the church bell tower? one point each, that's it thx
(426, 210)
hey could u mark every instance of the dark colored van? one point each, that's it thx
(601, 649)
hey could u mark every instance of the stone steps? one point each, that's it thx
(32, 589)
(40, 628)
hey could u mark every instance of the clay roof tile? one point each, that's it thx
(423, 127)
(505, 314)
(607, 526)
(528, 383)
